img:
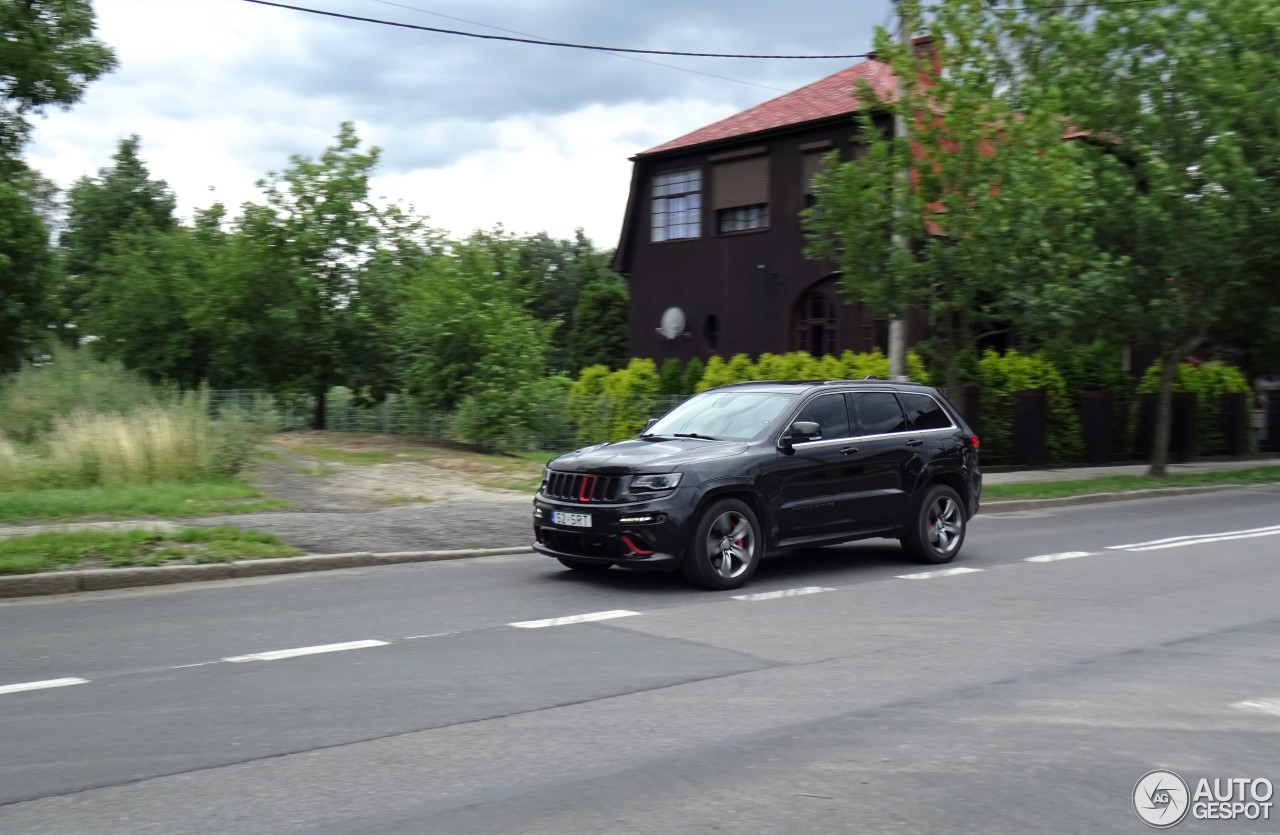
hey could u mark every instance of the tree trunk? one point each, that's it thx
(1164, 414)
(320, 412)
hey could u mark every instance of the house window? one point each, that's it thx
(814, 323)
(711, 331)
(743, 218)
(814, 164)
(677, 205)
(740, 192)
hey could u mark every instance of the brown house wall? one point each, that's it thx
(750, 281)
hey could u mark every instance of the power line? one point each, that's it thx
(562, 44)
(1092, 4)
(540, 38)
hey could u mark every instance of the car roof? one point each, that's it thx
(805, 386)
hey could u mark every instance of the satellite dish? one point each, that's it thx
(672, 324)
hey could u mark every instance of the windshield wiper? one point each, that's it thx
(696, 435)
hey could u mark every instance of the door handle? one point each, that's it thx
(915, 442)
(848, 450)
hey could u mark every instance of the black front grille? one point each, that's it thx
(582, 487)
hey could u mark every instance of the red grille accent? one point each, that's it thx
(588, 488)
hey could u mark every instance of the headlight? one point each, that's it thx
(646, 483)
(546, 474)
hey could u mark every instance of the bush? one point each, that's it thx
(670, 378)
(1097, 367)
(33, 399)
(587, 405)
(151, 444)
(716, 374)
(1001, 377)
(1208, 382)
(692, 374)
(632, 394)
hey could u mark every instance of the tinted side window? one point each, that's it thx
(924, 412)
(877, 413)
(828, 411)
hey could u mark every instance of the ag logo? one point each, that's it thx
(1161, 799)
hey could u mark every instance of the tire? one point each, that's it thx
(584, 565)
(937, 526)
(726, 547)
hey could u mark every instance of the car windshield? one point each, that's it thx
(724, 415)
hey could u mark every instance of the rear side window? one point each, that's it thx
(877, 413)
(924, 412)
(829, 412)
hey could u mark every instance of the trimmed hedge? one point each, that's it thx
(800, 365)
(1208, 382)
(1001, 377)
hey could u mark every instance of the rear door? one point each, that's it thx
(886, 452)
(815, 486)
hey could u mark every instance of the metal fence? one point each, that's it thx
(401, 415)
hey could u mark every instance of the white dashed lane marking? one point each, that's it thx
(279, 654)
(1196, 539)
(1066, 555)
(587, 618)
(943, 572)
(41, 685)
(771, 595)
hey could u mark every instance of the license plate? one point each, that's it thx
(575, 520)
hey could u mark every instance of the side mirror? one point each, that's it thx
(804, 430)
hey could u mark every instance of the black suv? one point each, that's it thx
(739, 470)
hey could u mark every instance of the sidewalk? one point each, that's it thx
(1077, 473)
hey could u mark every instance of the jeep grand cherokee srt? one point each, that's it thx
(739, 471)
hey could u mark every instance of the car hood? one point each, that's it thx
(649, 456)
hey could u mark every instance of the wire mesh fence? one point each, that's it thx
(402, 415)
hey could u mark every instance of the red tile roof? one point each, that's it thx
(831, 96)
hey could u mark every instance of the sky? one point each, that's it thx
(474, 133)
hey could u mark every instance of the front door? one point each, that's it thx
(814, 485)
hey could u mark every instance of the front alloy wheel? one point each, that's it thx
(937, 530)
(726, 546)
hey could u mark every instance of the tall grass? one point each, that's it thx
(89, 437)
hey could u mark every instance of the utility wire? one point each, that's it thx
(562, 44)
(540, 38)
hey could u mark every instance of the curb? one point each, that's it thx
(101, 579)
(1013, 505)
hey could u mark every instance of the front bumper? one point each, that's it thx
(648, 534)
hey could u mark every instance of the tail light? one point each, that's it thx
(973, 441)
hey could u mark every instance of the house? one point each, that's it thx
(712, 228)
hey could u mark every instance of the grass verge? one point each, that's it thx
(50, 551)
(1121, 483)
(161, 500)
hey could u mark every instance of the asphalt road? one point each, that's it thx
(1020, 696)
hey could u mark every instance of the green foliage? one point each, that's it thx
(715, 374)
(78, 423)
(739, 369)
(163, 500)
(222, 543)
(692, 376)
(862, 366)
(916, 369)
(587, 405)
(1096, 367)
(670, 378)
(599, 332)
(48, 55)
(771, 367)
(1002, 377)
(631, 392)
(1208, 382)
(32, 400)
(24, 272)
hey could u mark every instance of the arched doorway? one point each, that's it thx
(814, 324)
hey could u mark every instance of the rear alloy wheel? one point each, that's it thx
(937, 529)
(726, 546)
(584, 565)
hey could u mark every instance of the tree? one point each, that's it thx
(989, 204)
(122, 200)
(471, 344)
(48, 55)
(312, 278)
(599, 333)
(1189, 93)
(24, 246)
